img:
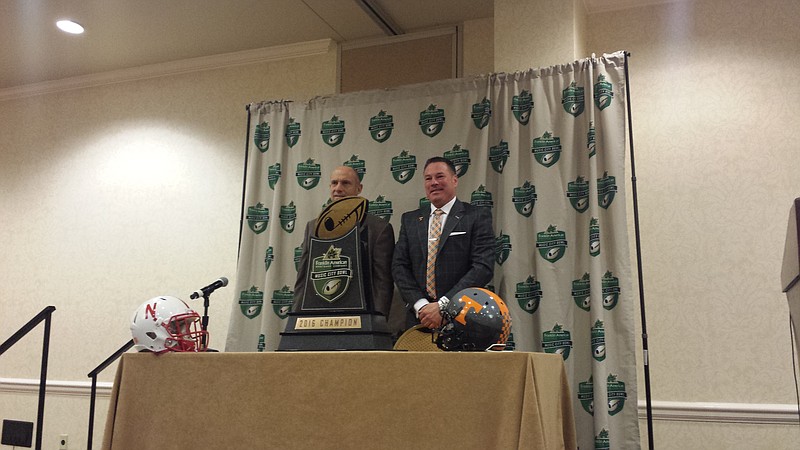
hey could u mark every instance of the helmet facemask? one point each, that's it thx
(185, 334)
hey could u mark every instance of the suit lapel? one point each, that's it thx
(421, 225)
(456, 213)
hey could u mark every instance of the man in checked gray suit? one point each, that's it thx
(441, 250)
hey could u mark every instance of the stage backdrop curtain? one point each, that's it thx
(543, 148)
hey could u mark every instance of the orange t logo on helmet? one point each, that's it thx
(468, 304)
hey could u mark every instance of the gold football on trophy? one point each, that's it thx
(341, 216)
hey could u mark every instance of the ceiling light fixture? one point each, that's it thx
(69, 26)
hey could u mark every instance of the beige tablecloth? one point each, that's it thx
(340, 400)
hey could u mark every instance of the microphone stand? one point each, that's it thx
(204, 322)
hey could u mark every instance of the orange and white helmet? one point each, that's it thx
(167, 323)
(476, 319)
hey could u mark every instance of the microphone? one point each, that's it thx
(206, 291)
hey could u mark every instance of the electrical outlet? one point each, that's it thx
(63, 442)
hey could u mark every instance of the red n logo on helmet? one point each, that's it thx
(150, 311)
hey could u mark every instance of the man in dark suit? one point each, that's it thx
(441, 250)
(380, 245)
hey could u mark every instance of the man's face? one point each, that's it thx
(344, 183)
(440, 184)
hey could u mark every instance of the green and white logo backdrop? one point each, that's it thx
(544, 149)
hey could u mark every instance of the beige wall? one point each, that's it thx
(715, 105)
(536, 33)
(397, 62)
(478, 47)
(714, 98)
(115, 194)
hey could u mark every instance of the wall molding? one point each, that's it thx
(261, 55)
(744, 413)
(55, 387)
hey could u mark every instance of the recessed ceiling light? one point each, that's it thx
(69, 26)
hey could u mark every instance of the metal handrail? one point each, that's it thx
(93, 375)
(45, 315)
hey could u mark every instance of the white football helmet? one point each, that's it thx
(167, 323)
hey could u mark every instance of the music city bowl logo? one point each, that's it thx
(498, 155)
(358, 165)
(424, 204)
(586, 395)
(529, 294)
(572, 99)
(288, 216)
(502, 248)
(298, 252)
(578, 194)
(282, 300)
(261, 136)
(524, 198)
(616, 395)
(594, 237)
(460, 158)
(581, 290)
(606, 190)
(308, 174)
(333, 131)
(269, 256)
(510, 343)
(262, 343)
(403, 167)
(598, 341)
(603, 92)
(381, 126)
(481, 197)
(546, 149)
(292, 132)
(521, 107)
(558, 341)
(481, 113)
(331, 274)
(610, 291)
(273, 175)
(591, 139)
(251, 302)
(552, 243)
(257, 217)
(380, 207)
(431, 120)
(602, 441)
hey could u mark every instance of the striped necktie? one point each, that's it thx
(433, 244)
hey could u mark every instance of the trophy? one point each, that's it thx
(337, 310)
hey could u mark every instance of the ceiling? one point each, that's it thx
(122, 34)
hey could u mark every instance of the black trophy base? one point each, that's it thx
(332, 332)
